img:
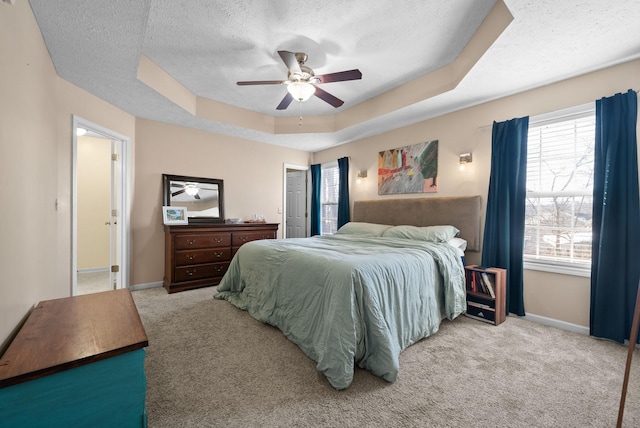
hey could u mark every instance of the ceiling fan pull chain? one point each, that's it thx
(300, 122)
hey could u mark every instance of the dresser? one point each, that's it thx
(198, 255)
(76, 362)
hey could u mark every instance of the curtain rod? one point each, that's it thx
(535, 122)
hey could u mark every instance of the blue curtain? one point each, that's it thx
(316, 184)
(615, 259)
(343, 192)
(503, 241)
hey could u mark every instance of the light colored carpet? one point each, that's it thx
(209, 364)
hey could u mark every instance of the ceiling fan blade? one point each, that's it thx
(261, 82)
(340, 76)
(177, 193)
(289, 59)
(285, 102)
(327, 97)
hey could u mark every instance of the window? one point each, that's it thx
(329, 199)
(559, 201)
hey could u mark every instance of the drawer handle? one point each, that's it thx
(218, 255)
(190, 273)
(244, 238)
(191, 242)
(218, 240)
(219, 269)
(191, 257)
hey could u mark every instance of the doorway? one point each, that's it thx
(100, 226)
(295, 216)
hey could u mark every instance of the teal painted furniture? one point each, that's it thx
(76, 362)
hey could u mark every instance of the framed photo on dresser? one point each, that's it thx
(175, 215)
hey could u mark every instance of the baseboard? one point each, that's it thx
(93, 270)
(145, 286)
(557, 323)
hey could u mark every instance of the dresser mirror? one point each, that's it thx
(202, 197)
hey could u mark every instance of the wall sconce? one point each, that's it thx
(465, 158)
(361, 175)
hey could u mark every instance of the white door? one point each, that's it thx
(100, 224)
(296, 204)
(115, 278)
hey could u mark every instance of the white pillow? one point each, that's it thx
(458, 243)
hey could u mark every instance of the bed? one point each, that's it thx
(383, 282)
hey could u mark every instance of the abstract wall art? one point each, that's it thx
(409, 169)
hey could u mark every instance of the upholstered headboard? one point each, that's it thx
(462, 212)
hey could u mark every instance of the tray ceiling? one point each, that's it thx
(418, 59)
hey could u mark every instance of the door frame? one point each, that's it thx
(285, 168)
(123, 171)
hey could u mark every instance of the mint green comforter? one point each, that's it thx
(345, 299)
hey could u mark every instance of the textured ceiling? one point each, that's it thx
(209, 45)
(214, 44)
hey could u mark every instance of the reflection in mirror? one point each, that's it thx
(202, 197)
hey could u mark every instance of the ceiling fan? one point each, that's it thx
(190, 189)
(301, 82)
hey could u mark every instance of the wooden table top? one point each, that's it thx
(64, 333)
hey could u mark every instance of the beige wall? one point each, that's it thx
(36, 108)
(94, 201)
(28, 167)
(36, 172)
(252, 174)
(560, 297)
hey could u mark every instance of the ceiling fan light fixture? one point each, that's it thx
(301, 91)
(191, 189)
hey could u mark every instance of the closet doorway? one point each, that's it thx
(100, 226)
(295, 217)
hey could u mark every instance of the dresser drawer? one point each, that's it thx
(203, 240)
(240, 238)
(192, 257)
(209, 270)
(198, 255)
